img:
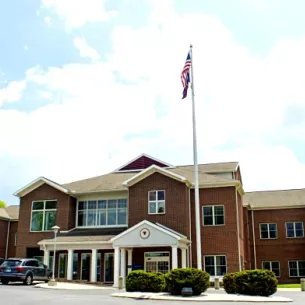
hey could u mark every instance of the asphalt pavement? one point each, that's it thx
(18, 294)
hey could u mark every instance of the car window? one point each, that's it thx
(41, 265)
(11, 263)
(31, 264)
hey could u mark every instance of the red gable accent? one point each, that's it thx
(142, 163)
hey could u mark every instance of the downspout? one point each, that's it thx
(7, 237)
(254, 244)
(238, 229)
(190, 222)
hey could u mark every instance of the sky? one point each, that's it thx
(87, 85)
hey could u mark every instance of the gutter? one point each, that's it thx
(238, 229)
(7, 237)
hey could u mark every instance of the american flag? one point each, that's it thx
(185, 75)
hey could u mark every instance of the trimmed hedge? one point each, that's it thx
(193, 278)
(251, 282)
(143, 281)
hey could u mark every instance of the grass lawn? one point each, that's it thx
(289, 286)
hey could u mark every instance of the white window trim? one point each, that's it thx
(96, 219)
(158, 258)
(43, 210)
(294, 222)
(267, 223)
(215, 269)
(157, 202)
(213, 215)
(297, 261)
(270, 266)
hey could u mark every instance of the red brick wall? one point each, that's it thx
(280, 249)
(65, 217)
(11, 244)
(176, 214)
(217, 239)
(3, 236)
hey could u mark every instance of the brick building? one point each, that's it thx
(142, 216)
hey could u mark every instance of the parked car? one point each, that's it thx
(24, 270)
(1, 260)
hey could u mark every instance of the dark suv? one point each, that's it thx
(26, 270)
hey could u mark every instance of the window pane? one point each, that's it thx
(37, 219)
(38, 205)
(49, 220)
(101, 217)
(299, 233)
(122, 203)
(91, 220)
(264, 234)
(293, 272)
(208, 220)
(289, 226)
(275, 265)
(122, 217)
(152, 196)
(301, 268)
(273, 234)
(221, 260)
(210, 270)
(152, 207)
(266, 265)
(299, 226)
(111, 219)
(264, 227)
(91, 205)
(161, 207)
(207, 211)
(272, 227)
(218, 210)
(161, 195)
(209, 260)
(51, 205)
(219, 220)
(81, 221)
(82, 205)
(293, 265)
(112, 204)
(102, 204)
(221, 270)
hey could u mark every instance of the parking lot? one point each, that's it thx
(19, 294)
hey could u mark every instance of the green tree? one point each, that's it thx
(2, 204)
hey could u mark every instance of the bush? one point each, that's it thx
(193, 278)
(251, 282)
(143, 281)
(229, 283)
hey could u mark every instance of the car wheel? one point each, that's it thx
(28, 280)
(4, 282)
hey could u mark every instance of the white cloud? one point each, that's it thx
(12, 92)
(77, 13)
(47, 20)
(84, 49)
(241, 102)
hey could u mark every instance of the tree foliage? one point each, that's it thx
(2, 204)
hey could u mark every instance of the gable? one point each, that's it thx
(143, 162)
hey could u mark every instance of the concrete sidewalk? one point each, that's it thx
(205, 297)
(73, 286)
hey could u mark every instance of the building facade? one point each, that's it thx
(142, 216)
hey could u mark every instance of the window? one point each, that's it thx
(99, 213)
(215, 265)
(272, 266)
(43, 215)
(296, 268)
(213, 215)
(294, 229)
(157, 262)
(268, 230)
(156, 202)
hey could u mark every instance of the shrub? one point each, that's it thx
(229, 283)
(143, 281)
(256, 282)
(193, 278)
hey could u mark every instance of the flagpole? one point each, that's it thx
(197, 204)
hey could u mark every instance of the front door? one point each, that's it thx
(62, 265)
(156, 261)
(85, 267)
(108, 265)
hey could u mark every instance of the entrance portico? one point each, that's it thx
(147, 235)
(148, 246)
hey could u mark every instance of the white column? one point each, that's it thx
(116, 268)
(174, 257)
(93, 266)
(70, 265)
(183, 258)
(129, 258)
(123, 265)
(46, 258)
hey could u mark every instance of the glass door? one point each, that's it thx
(85, 267)
(98, 267)
(108, 265)
(62, 265)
